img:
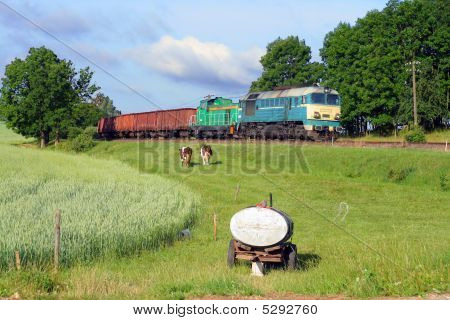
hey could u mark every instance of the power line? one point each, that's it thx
(81, 55)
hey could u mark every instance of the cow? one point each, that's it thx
(206, 153)
(185, 156)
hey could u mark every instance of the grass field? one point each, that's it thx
(108, 209)
(394, 240)
(441, 135)
(9, 137)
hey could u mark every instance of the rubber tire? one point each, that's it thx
(231, 254)
(291, 257)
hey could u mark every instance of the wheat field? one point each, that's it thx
(108, 208)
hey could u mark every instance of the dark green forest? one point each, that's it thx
(371, 64)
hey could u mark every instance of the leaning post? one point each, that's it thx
(57, 251)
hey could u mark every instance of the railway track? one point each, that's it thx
(440, 146)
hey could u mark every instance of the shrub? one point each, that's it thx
(91, 131)
(443, 181)
(400, 174)
(415, 135)
(73, 132)
(82, 142)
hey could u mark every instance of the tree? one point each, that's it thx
(370, 65)
(287, 62)
(105, 105)
(85, 115)
(39, 93)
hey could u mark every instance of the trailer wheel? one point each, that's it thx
(231, 258)
(291, 257)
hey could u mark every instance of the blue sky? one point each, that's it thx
(173, 52)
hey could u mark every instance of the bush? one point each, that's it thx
(91, 131)
(443, 181)
(400, 174)
(415, 135)
(73, 132)
(82, 142)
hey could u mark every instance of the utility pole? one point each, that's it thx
(413, 64)
(414, 89)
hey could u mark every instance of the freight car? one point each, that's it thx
(165, 123)
(283, 113)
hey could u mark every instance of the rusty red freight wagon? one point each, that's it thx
(164, 123)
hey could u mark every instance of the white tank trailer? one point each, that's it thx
(260, 234)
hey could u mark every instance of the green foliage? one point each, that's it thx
(370, 65)
(39, 93)
(85, 115)
(287, 62)
(73, 132)
(416, 135)
(443, 181)
(105, 105)
(82, 141)
(91, 131)
(399, 175)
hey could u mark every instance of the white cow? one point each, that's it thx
(206, 153)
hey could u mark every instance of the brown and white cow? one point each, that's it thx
(185, 156)
(206, 153)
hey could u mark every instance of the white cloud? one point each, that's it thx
(192, 60)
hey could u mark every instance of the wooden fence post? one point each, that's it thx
(17, 260)
(237, 192)
(57, 251)
(215, 226)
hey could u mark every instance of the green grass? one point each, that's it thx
(107, 207)
(441, 135)
(393, 241)
(397, 207)
(7, 136)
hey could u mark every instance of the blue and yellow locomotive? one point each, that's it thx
(283, 113)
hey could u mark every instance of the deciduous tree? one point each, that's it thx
(39, 93)
(287, 62)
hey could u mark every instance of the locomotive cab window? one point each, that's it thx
(333, 99)
(318, 98)
(250, 108)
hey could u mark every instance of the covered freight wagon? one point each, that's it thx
(164, 123)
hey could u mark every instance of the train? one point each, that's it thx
(303, 113)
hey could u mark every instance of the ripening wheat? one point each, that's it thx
(107, 207)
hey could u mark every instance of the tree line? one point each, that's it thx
(43, 96)
(371, 64)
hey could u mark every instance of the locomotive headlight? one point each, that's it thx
(337, 116)
(317, 115)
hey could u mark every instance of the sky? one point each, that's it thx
(148, 55)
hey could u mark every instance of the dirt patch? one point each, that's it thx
(294, 296)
